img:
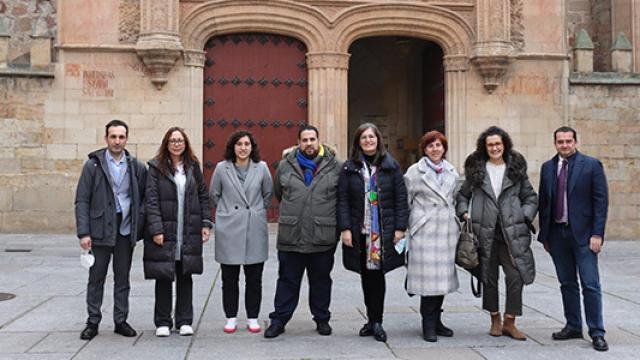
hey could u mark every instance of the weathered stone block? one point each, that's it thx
(6, 200)
(61, 151)
(9, 166)
(50, 199)
(40, 52)
(79, 136)
(4, 50)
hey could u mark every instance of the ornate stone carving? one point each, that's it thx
(159, 45)
(456, 63)
(129, 24)
(328, 60)
(194, 58)
(492, 68)
(517, 25)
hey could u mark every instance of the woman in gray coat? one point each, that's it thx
(241, 191)
(503, 206)
(433, 232)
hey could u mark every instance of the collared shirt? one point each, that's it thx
(120, 184)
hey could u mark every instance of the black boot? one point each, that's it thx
(442, 330)
(429, 328)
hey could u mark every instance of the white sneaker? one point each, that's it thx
(231, 325)
(253, 325)
(163, 331)
(186, 330)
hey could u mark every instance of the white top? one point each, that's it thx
(181, 179)
(496, 174)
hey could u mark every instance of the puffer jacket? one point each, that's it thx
(307, 222)
(394, 211)
(95, 203)
(162, 218)
(515, 209)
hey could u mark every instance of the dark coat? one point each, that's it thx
(162, 213)
(307, 222)
(587, 198)
(95, 202)
(394, 211)
(515, 209)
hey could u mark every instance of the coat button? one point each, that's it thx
(236, 207)
(247, 208)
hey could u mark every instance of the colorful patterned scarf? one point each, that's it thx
(371, 225)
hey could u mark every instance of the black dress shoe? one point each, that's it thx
(600, 344)
(442, 330)
(378, 332)
(90, 331)
(567, 333)
(323, 328)
(366, 330)
(124, 329)
(274, 330)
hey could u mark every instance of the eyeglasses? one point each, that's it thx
(176, 141)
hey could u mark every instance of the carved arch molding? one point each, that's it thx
(458, 28)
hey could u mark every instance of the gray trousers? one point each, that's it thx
(513, 281)
(121, 266)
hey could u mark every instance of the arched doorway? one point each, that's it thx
(255, 82)
(397, 83)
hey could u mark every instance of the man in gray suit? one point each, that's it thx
(109, 221)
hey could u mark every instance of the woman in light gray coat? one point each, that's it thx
(433, 232)
(241, 191)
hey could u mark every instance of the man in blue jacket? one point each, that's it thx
(573, 213)
(109, 221)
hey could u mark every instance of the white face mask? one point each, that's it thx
(87, 259)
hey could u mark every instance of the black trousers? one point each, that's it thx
(121, 266)
(373, 286)
(430, 308)
(500, 257)
(253, 289)
(184, 300)
(291, 267)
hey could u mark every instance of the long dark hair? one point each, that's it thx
(229, 151)
(356, 151)
(164, 158)
(481, 143)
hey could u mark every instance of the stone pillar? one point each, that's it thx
(455, 86)
(583, 53)
(328, 106)
(40, 51)
(194, 62)
(622, 55)
(4, 49)
(493, 50)
(625, 18)
(159, 43)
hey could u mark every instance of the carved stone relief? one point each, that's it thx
(129, 24)
(517, 25)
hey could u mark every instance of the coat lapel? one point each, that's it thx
(429, 178)
(233, 178)
(253, 170)
(575, 173)
(487, 188)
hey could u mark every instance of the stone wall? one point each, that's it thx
(595, 17)
(23, 18)
(607, 118)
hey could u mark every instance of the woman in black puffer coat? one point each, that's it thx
(372, 174)
(178, 222)
(503, 206)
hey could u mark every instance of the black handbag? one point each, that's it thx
(467, 253)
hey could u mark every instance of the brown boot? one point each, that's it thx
(509, 328)
(496, 325)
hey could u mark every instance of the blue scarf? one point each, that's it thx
(308, 166)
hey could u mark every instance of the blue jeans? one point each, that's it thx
(571, 260)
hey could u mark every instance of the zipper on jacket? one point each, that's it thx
(506, 241)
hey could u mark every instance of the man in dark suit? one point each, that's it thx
(573, 212)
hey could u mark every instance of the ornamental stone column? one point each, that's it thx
(455, 99)
(493, 50)
(328, 107)
(159, 43)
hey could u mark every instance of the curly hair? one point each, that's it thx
(481, 143)
(229, 151)
(430, 137)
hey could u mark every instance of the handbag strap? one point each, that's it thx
(468, 222)
(477, 289)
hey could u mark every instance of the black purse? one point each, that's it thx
(467, 253)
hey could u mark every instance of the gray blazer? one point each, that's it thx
(241, 234)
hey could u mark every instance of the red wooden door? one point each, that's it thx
(255, 82)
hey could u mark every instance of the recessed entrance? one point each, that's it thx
(397, 83)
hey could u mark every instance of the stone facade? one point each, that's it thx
(23, 19)
(505, 62)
